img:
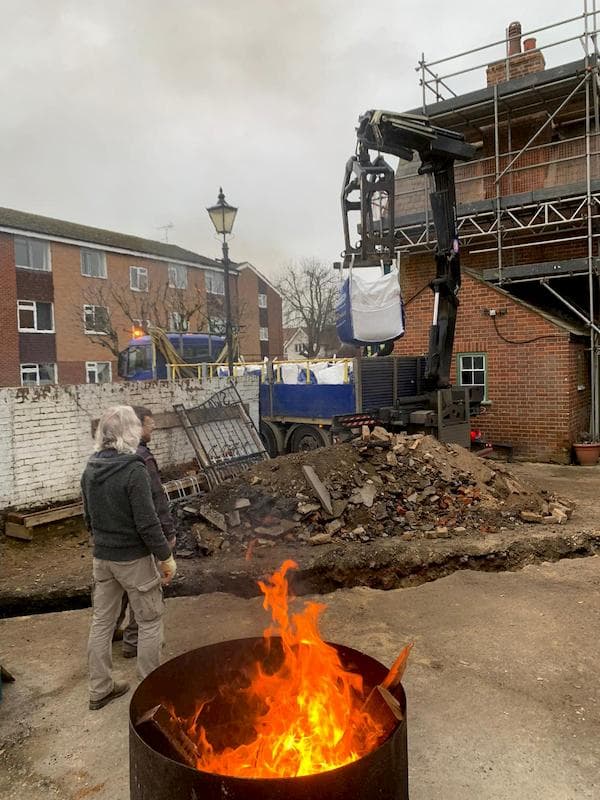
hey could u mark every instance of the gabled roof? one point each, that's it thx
(565, 324)
(247, 265)
(13, 220)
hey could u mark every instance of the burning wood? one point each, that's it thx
(169, 728)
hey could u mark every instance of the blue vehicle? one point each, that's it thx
(146, 357)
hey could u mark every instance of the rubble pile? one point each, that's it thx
(380, 485)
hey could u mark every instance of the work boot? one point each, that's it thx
(129, 651)
(119, 689)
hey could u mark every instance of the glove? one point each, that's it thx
(168, 570)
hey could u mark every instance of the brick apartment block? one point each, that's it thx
(60, 283)
(532, 354)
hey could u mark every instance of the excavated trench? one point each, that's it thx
(380, 565)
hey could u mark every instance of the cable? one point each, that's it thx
(524, 341)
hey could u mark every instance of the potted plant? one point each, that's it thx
(587, 450)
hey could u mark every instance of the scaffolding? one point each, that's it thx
(539, 191)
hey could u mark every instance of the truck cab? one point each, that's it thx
(143, 361)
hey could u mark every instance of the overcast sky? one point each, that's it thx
(129, 114)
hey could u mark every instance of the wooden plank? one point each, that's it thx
(17, 531)
(53, 515)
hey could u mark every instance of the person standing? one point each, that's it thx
(127, 538)
(146, 418)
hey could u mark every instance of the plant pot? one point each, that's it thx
(587, 454)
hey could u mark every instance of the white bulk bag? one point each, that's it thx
(376, 307)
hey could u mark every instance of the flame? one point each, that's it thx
(303, 715)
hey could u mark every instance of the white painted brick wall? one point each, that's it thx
(45, 432)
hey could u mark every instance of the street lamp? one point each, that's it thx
(222, 216)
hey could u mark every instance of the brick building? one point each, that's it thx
(528, 209)
(261, 329)
(70, 296)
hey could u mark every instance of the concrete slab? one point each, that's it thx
(502, 684)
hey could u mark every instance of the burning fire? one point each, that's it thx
(306, 714)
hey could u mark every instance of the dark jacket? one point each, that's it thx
(119, 510)
(158, 493)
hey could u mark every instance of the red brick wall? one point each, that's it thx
(10, 374)
(531, 387)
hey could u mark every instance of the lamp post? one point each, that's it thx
(222, 216)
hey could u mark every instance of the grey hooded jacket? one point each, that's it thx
(119, 510)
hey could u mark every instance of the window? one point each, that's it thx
(95, 319)
(215, 283)
(32, 254)
(177, 276)
(138, 279)
(98, 372)
(38, 374)
(472, 369)
(35, 317)
(262, 300)
(300, 348)
(216, 325)
(93, 263)
(263, 334)
(178, 322)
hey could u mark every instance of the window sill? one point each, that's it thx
(33, 269)
(96, 333)
(141, 291)
(486, 403)
(32, 330)
(99, 277)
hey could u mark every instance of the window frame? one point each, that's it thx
(93, 332)
(134, 270)
(34, 304)
(211, 273)
(460, 369)
(28, 241)
(261, 304)
(37, 372)
(102, 254)
(177, 270)
(261, 336)
(93, 366)
(174, 328)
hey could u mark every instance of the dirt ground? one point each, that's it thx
(502, 684)
(53, 572)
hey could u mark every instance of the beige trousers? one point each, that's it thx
(141, 580)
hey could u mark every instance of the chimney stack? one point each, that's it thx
(514, 38)
(520, 63)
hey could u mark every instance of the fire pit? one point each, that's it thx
(283, 716)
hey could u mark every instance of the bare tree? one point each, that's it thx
(162, 306)
(309, 293)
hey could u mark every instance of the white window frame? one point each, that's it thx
(35, 369)
(460, 369)
(209, 276)
(175, 322)
(85, 329)
(47, 257)
(31, 305)
(92, 366)
(263, 334)
(135, 273)
(102, 254)
(217, 326)
(262, 300)
(178, 276)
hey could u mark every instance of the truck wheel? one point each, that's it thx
(273, 438)
(307, 437)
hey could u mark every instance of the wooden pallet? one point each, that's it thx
(19, 526)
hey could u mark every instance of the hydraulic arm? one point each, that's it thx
(373, 178)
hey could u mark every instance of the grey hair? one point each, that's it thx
(118, 429)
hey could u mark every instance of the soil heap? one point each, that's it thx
(380, 485)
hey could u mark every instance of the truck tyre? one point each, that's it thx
(273, 438)
(307, 437)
